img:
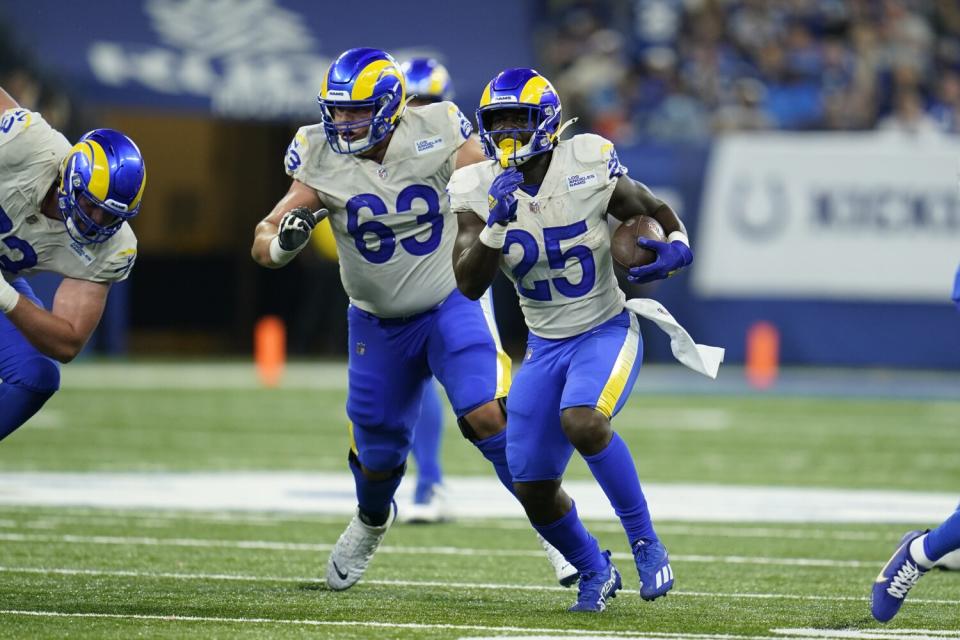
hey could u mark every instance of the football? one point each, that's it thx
(623, 244)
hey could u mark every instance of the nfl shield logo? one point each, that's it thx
(382, 172)
(534, 206)
(361, 348)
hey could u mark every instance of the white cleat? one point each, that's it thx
(354, 549)
(567, 574)
(435, 509)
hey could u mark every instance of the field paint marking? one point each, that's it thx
(712, 531)
(583, 634)
(436, 551)
(268, 519)
(474, 497)
(122, 573)
(870, 634)
(381, 625)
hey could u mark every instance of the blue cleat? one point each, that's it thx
(896, 579)
(596, 587)
(653, 565)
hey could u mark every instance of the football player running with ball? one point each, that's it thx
(538, 211)
(380, 170)
(63, 209)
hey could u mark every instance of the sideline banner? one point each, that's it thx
(256, 59)
(854, 217)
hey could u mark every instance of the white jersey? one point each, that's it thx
(391, 221)
(558, 251)
(30, 155)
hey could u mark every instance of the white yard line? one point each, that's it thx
(165, 518)
(471, 497)
(311, 547)
(870, 634)
(123, 573)
(527, 633)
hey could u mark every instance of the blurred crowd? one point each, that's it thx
(34, 90)
(683, 70)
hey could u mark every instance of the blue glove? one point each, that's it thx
(500, 199)
(671, 256)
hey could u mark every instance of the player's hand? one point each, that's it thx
(671, 257)
(296, 226)
(500, 199)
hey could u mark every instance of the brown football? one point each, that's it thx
(623, 244)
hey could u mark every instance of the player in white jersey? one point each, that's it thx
(380, 170)
(538, 211)
(63, 209)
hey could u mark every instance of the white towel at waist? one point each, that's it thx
(699, 357)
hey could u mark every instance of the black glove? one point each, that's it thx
(296, 227)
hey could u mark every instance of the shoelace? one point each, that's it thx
(906, 577)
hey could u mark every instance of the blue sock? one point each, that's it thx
(19, 404)
(426, 442)
(374, 497)
(494, 449)
(614, 470)
(573, 540)
(944, 539)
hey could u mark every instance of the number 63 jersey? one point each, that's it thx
(558, 250)
(391, 220)
(31, 152)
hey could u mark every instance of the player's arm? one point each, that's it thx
(7, 101)
(474, 263)
(62, 332)
(286, 229)
(470, 152)
(629, 199)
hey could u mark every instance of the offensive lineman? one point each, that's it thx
(382, 169)
(63, 209)
(539, 213)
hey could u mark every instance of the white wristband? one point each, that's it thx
(679, 235)
(494, 236)
(280, 256)
(8, 296)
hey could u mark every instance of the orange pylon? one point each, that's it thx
(270, 349)
(763, 355)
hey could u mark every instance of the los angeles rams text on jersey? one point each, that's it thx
(558, 251)
(390, 219)
(31, 153)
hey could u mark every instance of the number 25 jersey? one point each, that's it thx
(391, 220)
(558, 250)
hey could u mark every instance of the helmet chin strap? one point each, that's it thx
(563, 126)
(508, 147)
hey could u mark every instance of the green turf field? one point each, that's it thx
(95, 573)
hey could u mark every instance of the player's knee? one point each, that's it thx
(587, 429)
(484, 422)
(39, 375)
(379, 464)
(542, 500)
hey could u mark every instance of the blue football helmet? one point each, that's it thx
(362, 79)
(427, 79)
(522, 90)
(104, 169)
